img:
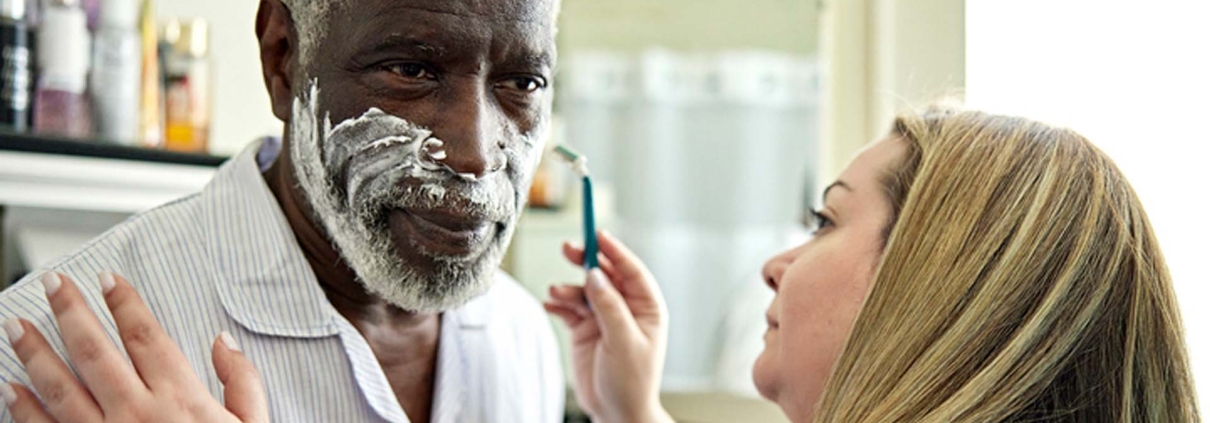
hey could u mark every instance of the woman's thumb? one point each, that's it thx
(242, 390)
(613, 315)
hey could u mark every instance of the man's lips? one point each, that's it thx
(443, 232)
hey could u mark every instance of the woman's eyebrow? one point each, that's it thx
(837, 184)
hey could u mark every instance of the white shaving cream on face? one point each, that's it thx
(356, 173)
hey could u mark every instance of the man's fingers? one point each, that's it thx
(156, 357)
(242, 389)
(615, 319)
(66, 398)
(103, 369)
(23, 406)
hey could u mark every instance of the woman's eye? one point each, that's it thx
(816, 221)
(524, 84)
(412, 71)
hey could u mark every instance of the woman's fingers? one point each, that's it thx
(243, 391)
(23, 405)
(108, 383)
(569, 317)
(636, 280)
(617, 323)
(103, 369)
(583, 329)
(155, 355)
(567, 292)
(66, 398)
(570, 296)
(575, 255)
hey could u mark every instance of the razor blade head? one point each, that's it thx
(578, 162)
(567, 153)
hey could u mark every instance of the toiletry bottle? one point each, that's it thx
(33, 20)
(33, 13)
(92, 9)
(151, 103)
(187, 91)
(60, 102)
(116, 71)
(15, 62)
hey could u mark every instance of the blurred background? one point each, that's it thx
(709, 125)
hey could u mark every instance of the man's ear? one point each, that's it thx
(278, 52)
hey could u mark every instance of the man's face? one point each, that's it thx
(415, 136)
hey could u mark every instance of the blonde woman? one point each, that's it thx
(967, 268)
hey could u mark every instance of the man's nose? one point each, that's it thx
(474, 134)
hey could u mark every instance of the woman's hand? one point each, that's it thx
(159, 387)
(619, 342)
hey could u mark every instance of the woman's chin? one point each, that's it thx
(765, 376)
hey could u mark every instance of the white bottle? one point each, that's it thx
(117, 72)
(60, 100)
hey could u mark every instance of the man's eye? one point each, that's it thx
(412, 71)
(524, 84)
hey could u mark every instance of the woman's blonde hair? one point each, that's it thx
(1021, 282)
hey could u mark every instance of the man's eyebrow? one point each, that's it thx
(395, 43)
(534, 60)
(837, 184)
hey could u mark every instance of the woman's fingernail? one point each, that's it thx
(9, 394)
(596, 279)
(107, 282)
(228, 341)
(14, 330)
(51, 282)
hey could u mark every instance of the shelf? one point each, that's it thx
(55, 173)
(27, 143)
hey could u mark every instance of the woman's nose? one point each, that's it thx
(775, 268)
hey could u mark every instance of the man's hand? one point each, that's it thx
(159, 387)
(619, 342)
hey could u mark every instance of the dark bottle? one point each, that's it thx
(16, 78)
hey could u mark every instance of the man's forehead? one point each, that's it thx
(534, 11)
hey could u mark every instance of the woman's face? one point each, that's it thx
(821, 285)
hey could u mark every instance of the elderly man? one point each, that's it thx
(355, 262)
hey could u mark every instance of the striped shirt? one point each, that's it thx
(226, 259)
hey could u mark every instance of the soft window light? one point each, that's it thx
(1133, 77)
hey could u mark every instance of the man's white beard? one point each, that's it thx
(354, 216)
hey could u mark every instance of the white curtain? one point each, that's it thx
(711, 157)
